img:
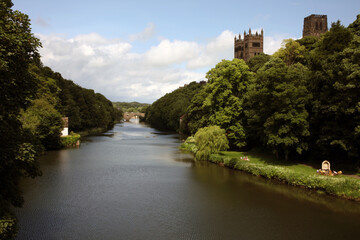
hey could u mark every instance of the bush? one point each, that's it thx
(230, 162)
(189, 145)
(210, 140)
(216, 158)
(70, 140)
(8, 226)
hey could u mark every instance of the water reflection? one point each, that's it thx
(322, 201)
(133, 183)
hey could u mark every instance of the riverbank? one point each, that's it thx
(72, 140)
(92, 132)
(96, 131)
(290, 173)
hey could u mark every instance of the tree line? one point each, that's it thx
(301, 102)
(131, 106)
(165, 112)
(33, 99)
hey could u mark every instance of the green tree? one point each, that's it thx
(85, 108)
(355, 26)
(45, 122)
(18, 48)
(210, 140)
(310, 43)
(335, 120)
(291, 52)
(276, 111)
(256, 62)
(127, 106)
(165, 112)
(221, 101)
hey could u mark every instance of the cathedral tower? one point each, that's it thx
(315, 25)
(250, 46)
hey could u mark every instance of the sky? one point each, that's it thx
(139, 50)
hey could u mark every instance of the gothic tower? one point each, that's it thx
(315, 25)
(251, 45)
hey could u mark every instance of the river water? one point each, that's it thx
(134, 183)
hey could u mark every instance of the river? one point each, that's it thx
(133, 183)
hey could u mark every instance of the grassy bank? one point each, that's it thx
(92, 132)
(72, 140)
(290, 173)
(97, 131)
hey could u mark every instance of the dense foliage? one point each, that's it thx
(57, 97)
(32, 101)
(281, 126)
(221, 101)
(84, 108)
(165, 113)
(18, 49)
(131, 106)
(210, 140)
(303, 100)
(335, 120)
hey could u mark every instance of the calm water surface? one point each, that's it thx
(134, 183)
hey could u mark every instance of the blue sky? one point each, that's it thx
(140, 50)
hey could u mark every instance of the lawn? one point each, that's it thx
(295, 174)
(290, 173)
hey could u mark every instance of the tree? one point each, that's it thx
(309, 43)
(291, 52)
(131, 106)
(256, 62)
(18, 49)
(355, 26)
(84, 108)
(44, 121)
(165, 112)
(221, 101)
(335, 120)
(281, 126)
(210, 140)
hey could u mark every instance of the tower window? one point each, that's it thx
(256, 44)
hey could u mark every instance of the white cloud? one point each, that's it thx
(148, 32)
(273, 43)
(168, 52)
(221, 47)
(223, 42)
(111, 67)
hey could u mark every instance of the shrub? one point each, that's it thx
(230, 162)
(8, 226)
(70, 140)
(210, 140)
(189, 145)
(216, 158)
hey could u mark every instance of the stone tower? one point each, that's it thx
(315, 25)
(251, 45)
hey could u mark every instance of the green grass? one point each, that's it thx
(92, 131)
(267, 166)
(70, 140)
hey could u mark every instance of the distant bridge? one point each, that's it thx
(132, 115)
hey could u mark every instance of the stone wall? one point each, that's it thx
(315, 25)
